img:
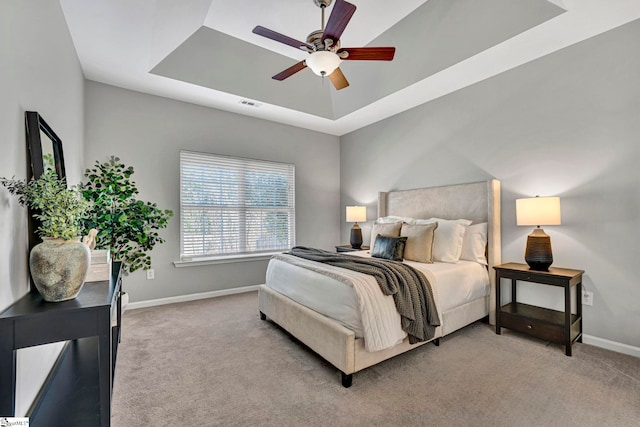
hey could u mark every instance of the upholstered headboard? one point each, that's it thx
(478, 202)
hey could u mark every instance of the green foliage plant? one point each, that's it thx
(58, 209)
(127, 226)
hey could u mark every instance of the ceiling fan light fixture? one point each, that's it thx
(323, 63)
(323, 46)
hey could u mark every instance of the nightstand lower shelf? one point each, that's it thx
(539, 322)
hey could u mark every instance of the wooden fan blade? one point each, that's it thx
(338, 79)
(290, 71)
(273, 35)
(338, 20)
(368, 53)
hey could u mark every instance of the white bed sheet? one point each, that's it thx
(453, 285)
(321, 293)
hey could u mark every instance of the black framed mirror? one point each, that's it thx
(44, 152)
(45, 147)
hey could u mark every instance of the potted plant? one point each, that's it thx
(59, 264)
(126, 226)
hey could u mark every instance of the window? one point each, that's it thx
(231, 206)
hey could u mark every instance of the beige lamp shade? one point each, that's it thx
(538, 211)
(356, 213)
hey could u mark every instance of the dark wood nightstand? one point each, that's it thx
(348, 248)
(560, 327)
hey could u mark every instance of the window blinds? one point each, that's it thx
(234, 206)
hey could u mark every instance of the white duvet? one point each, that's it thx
(356, 301)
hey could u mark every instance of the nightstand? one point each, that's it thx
(560, 327)
(348, 248)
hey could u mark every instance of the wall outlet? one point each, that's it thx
(151, 274)
(587, 298)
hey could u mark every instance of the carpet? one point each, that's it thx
(213, 362)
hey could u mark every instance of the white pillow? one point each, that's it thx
(475, 243)
(448, 238)
(392, 219)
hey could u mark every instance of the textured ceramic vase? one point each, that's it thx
(59, 267)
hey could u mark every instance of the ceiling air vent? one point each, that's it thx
(250, 103)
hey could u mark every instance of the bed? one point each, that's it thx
(339, 341)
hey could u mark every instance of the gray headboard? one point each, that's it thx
(478, 202)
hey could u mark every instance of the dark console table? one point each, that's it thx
(79, 387)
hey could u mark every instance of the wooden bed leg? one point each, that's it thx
(263, 316)
(346, 379)
(436, 342)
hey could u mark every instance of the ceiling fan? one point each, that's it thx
(324, 46)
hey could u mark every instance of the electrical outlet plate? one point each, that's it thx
(587, 298)
(151, 274)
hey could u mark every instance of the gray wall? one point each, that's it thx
(39, 71)
(148, 132)
(566, 125)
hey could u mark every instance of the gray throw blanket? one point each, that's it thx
(410, 288)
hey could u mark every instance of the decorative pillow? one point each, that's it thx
(391, 248)
(385, 229)
(392, 219)
(419, 245)
(475, 243)
(448, 238)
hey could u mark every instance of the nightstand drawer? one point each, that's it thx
(348, 248)
(535, 276)
(545, 331)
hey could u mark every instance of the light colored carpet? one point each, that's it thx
(213, 362)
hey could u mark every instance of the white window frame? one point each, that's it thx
(236, 207)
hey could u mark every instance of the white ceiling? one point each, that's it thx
(203, 51)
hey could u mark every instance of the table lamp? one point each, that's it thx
(356, 214)
(538, 211)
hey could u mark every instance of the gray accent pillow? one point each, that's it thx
(419, 245)
(391, 248)
(385, 229)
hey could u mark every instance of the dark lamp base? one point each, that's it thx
(538, 253)
(356, 236)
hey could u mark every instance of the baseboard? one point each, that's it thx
(611, 345)
(191, 297)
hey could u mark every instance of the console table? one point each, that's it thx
(31, 321)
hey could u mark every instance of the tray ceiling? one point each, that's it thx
(203, 51)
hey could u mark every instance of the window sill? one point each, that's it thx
(225, 260)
